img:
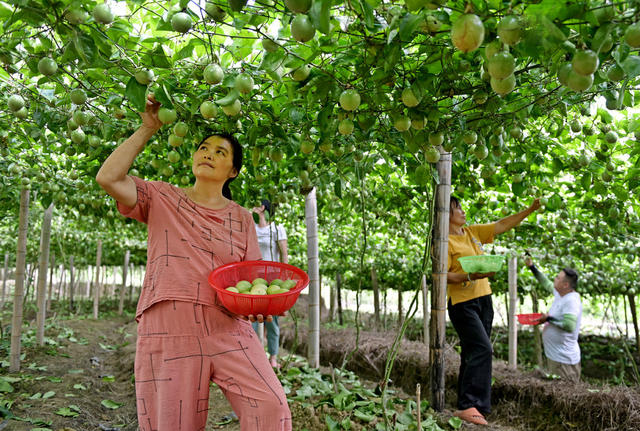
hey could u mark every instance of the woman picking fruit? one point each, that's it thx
(470, 308)
(185, 338)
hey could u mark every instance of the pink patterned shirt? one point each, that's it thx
(186, 241)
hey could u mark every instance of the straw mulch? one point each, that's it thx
(519, 397)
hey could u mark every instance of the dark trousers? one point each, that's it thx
(472, 321)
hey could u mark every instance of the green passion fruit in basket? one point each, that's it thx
(260, 286)
(482, 264)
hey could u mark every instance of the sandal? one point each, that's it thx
(471, 415)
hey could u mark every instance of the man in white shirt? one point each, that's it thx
(562, 323)
(272, 240)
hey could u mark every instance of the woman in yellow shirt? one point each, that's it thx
(470, 308)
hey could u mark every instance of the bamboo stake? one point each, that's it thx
(52, 268)
(425, 312)
(21, 257)
(61, 282)
(125, 267)
(4, 279)
(634, 317)
(332, 303)
(339, 296)
(513, 303)
(71, 281)
(439, 287)
(311, 217)
(376, 297)
(419, 427)
(45, 241)
(96, 290)
(400, 315)
(537, 338)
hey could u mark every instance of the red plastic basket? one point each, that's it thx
(529, 319)
(245, 304)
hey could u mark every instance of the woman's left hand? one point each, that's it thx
(259, 318)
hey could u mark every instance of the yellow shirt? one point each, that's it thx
(468, 244)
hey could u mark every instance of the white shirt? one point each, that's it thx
(268, 238)
(559, 345)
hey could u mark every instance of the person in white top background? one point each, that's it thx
(272, 239)
(562, 323)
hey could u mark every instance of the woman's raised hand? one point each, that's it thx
(535, 205)
(149, 117)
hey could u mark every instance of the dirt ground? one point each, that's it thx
(94, 363)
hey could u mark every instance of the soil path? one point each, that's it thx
(93, 363)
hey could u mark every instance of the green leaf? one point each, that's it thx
(552, 31)
(111, 404)
(5, 386)
(332, 424)
(272, 60)
(392, 34)
(337, 188)
(163, 95)
(104, 44)
(48, 394)
(363, 7)
(137, 94)
(185, 52)
(229, 98)
(86, 48)
(605, 116)
(320, 15)
(518, 189)
(455, 422)
(68, 411)
(158, 58)
(367, 417)
(408, 24)
(631, 66)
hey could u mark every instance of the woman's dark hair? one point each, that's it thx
(237, 158)
(267, 206)
(454, 202)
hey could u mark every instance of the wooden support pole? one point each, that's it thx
(418, 402)
(400, 315)
(96, 288)
(4, 280)
(125, 267)
(376, 297)
(311, 218)
(332, 303)
(52, 268)
(425, 311)
(634, 317)
(440, 270)
(71, 281)
(18, 298)
(41, 294)
(339, 296)
(513, 304)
